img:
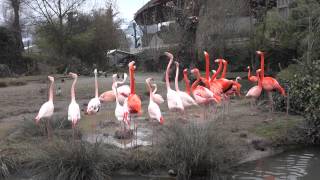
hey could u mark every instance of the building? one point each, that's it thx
(283, 7)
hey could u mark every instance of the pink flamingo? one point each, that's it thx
(94, 104)
(268, 83)
(133, 101)
(255, 91)
(173, 98)
(236, 88)
(251, 78)
(46, 110)
(123, 92)
(186, 99)
(202, 95)
(74, 109)
(187, 81)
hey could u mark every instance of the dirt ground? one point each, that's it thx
(243, 123)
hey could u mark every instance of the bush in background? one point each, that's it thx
(304, 94)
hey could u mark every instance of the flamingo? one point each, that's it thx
(46, 110)
(74, 109)
(94, 104)
(121, 111)
(186, 99)
(157, 98)
(123, 92)
(153, 108)
(133, 101)
(201, 94)
(268, 83)
(173, 98)
(255, 91)
(236, 88)
(251, 78)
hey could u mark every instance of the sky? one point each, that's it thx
(126, 8)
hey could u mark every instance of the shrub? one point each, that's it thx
(195, 149)
(304, 97)
(73, 161)
(8, 165)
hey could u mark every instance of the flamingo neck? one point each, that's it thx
(96, 85)
(73, 94)
(176, 79)
(217, 72)
(167, 73)
(150, 91)
(51, 91)
(207, 66)
(225, 66)
(262, 66)
(249, 73)
(187, 82)
(115, 91)
(195, 83)
(132, 83)
(259, 79)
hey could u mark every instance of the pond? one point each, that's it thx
(303, 164)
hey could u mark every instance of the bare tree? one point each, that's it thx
(15, 23)
(53, 13)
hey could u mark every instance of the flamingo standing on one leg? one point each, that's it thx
(153, 108)
(251, 78)
(173, 98)
(186, 99)
(134, 101)
(255, 91)
(47, 108)
(268, 83)
(74, 109)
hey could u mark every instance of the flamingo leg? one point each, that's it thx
(270, 101)
(48, 129)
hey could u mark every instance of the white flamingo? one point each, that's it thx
(173, 98)
(157, 98)
(46, 110)
(73, 109)
(186, 99)
(94, 104)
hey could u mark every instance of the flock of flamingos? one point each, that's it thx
(128, 103)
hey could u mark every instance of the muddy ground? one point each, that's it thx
(244, 126)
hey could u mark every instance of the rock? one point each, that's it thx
(171, 172)
(5, 71)
(120, 134)
(260, 144)
(243, 135)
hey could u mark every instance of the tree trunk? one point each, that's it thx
(15, 4)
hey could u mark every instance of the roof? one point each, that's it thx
(155, 11)
(117, 51)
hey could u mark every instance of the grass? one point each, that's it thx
(11, 82)
(73, 161)
(8, 165)
(277, 130)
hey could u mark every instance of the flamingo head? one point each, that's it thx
(154, 85)
(95, 71)
(248, 67)
(224, 61)
(51, 78)
(73, 75)
(218, 60)
(177, 63)
(148, 80)
(258, 70)
(238, 78)
(169, 55)
(259, 52)
(206, 53)
(114, 77)
(195, 71)
(185, 71)
(213, 71)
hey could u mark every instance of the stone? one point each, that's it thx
(123, 134)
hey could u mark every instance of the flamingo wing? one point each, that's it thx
(186, 99)
(174, 100)
(74, 112)
(254, 92)
(154, 111)
(46, 110)
(157, 98)
(107, 96)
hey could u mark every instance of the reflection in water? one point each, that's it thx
(302, 164)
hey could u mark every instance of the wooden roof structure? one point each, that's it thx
(155, 11)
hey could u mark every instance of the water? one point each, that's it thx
(299, 164)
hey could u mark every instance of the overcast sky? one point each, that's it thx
(126, 8)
